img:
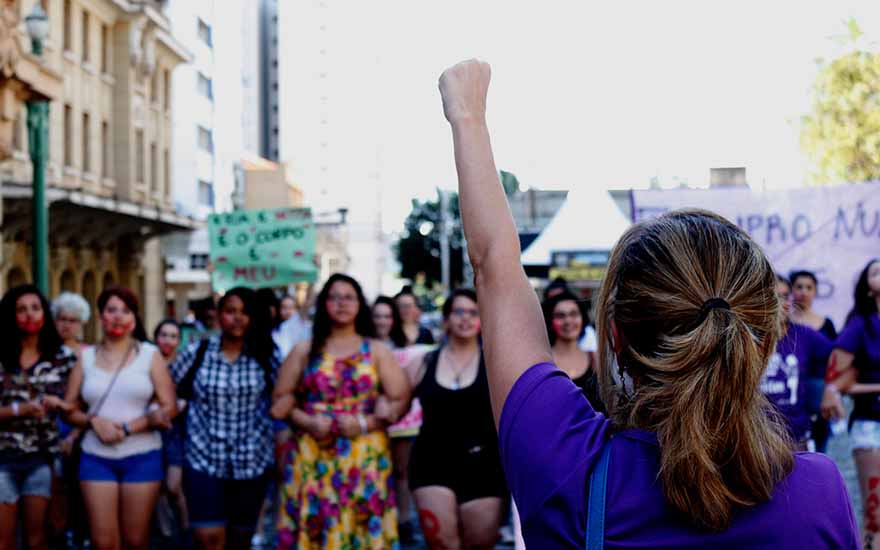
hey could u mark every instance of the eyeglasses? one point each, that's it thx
(342, 298)
(562, 316)
(462, 312)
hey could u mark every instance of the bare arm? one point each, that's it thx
(514, 334)
(76, 417)
(166, 395)
(289, 374)
(840, 377)
(395, 385)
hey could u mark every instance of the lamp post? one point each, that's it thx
(37, 24)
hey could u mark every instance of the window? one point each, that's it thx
(154, 87)
(154, 168)
(105, 149)
(205, 86)
(198, 261)
(19, 131)
(68, 25)
(206, 140)
(205, 33)
(139, 155)
(167, 92)
(206, 193)
(68, 136)
(105, 49)
(166, 167)
(86, 143)
(85, 37)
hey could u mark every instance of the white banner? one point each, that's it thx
(832, 231)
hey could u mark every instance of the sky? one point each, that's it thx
(606, 94)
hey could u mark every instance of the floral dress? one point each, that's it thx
(337, 494)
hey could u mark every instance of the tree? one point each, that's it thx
(842, 132)
(418, 249)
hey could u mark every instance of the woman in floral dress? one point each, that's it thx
(339, 390)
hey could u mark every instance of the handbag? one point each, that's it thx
(76, 451)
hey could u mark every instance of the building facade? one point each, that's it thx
(110, 189)
(228, 100)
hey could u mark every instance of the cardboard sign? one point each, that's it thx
(262, 248)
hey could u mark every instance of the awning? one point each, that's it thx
(87, 219)
(588, 220)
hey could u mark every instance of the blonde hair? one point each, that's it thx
(695, 371)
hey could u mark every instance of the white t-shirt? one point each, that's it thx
(290, 333)
(128, 399)
(588, 342)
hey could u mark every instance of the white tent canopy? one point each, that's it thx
(588, 220)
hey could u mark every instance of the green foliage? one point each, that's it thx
(842, 133)
(418, 249)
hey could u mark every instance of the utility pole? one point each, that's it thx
(38, 141)
(444, 240)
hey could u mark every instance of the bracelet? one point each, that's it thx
(125, 429)
(15, 410)
(362, 422)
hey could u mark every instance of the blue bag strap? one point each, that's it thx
(596, 504)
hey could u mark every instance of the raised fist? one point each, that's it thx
(463, 88)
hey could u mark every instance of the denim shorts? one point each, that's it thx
(139, 468)
(216, 502)
(865, 434)
(172, 444)
(28, 477)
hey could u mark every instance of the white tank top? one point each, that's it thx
(128, 400)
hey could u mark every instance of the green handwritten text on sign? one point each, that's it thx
(262, 248)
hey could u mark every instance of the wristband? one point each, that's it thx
(362, 422)
(15, 411)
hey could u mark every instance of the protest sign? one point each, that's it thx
(832, 230)
(262, 248)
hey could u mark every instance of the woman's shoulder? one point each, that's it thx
(815, 477)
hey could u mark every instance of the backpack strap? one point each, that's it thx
(185, 388)
(596, 504)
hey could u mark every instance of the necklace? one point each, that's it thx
(460, 368)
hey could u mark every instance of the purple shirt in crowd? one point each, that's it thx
(801, 354)
(863, 340)
(551, 439)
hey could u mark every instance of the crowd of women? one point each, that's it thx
(352, 429)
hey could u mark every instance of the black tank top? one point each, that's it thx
(455, 420)
(588, 382)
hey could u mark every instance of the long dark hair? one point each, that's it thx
(131, 302)
(258, 341)
(550, 304)
(322, 324)
(864, 305)
(272, 303)
(397, 336)
(48, 341)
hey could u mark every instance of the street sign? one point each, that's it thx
(262, 248)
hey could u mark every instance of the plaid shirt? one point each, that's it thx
(229, 431)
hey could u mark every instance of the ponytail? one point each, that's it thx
(695, 371)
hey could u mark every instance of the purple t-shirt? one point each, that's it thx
(863, 340)
(801, 354)
(551, 439)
